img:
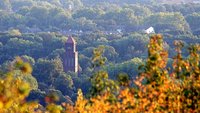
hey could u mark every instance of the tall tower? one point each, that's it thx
(71, 56)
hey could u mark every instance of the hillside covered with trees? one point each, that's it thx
(156, 88)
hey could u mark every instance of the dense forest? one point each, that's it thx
(33, 34)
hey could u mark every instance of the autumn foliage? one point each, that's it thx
(157, 88)
(14, 90)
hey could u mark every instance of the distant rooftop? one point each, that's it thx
(71, 40)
